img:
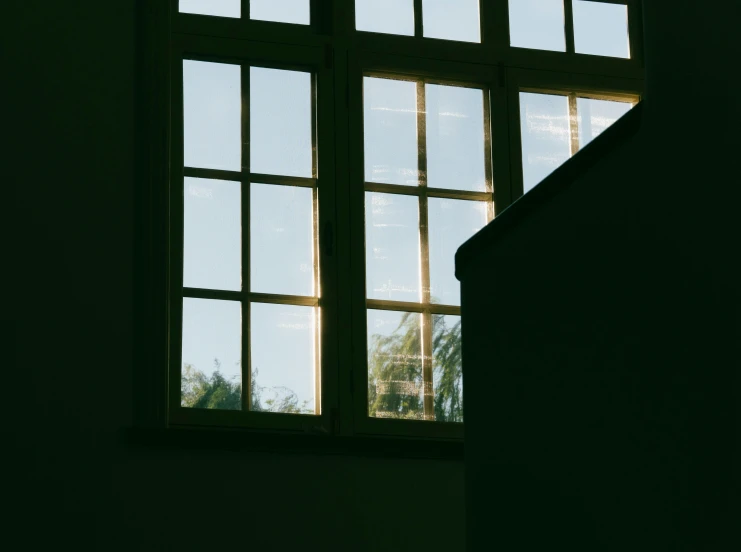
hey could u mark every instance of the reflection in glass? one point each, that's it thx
(546, 143)
(451, 19)
(455, 138)
(451, 222)
(390, 128)
(212, 110)
(385, 16)
(594, 116)
(222, 8)
(212, 234)
(282, 11)
(601, 29)
(392, 249)
(281, 240)
(280, 122)
(282, 353)
(395, 379)
(447, 372)
(211, 374)
(537, 24)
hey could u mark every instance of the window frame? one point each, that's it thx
(249, 54)
(341, 55)
(364, 64)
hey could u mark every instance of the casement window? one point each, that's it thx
(324, 161)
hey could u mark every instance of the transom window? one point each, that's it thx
(326, 160)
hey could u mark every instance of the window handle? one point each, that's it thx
(328, 239)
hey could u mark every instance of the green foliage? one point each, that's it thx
(395, 378)
(281, 399)
(395, 368)
(396, 358)
(216, 392)
(200, 391)
(448, 373)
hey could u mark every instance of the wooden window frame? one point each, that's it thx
(339, 56)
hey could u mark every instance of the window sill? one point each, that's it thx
(293, 443)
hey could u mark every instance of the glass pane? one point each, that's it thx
(451, 222)
(546, 142)
(222, 8)
(537, 24)
(282, 350)
(212, 360)
(385, 16)
(212, 234)
(390, 127)
(282, 11)
(212, 115)
(451, 19)
(601, 29)
(280, 122)
(447, 372)
(455, 138)
(395, 384)
(392, 250)
(594, 116)
(281, 240)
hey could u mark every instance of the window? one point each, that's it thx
(325, 160)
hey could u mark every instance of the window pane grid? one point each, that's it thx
(247, 298)
(425, 308)
(579, 134)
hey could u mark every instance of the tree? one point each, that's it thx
(197, 390)
(395, 379)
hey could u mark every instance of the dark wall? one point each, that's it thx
(72, 480)
(602, 386)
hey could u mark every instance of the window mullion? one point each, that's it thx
(424, 252)
(246, 363)
(418, 26)
(573, 124)
(568, 16)
(316, 253)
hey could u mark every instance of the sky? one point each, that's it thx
(281, 218)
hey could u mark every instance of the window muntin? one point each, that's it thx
(408, 260)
